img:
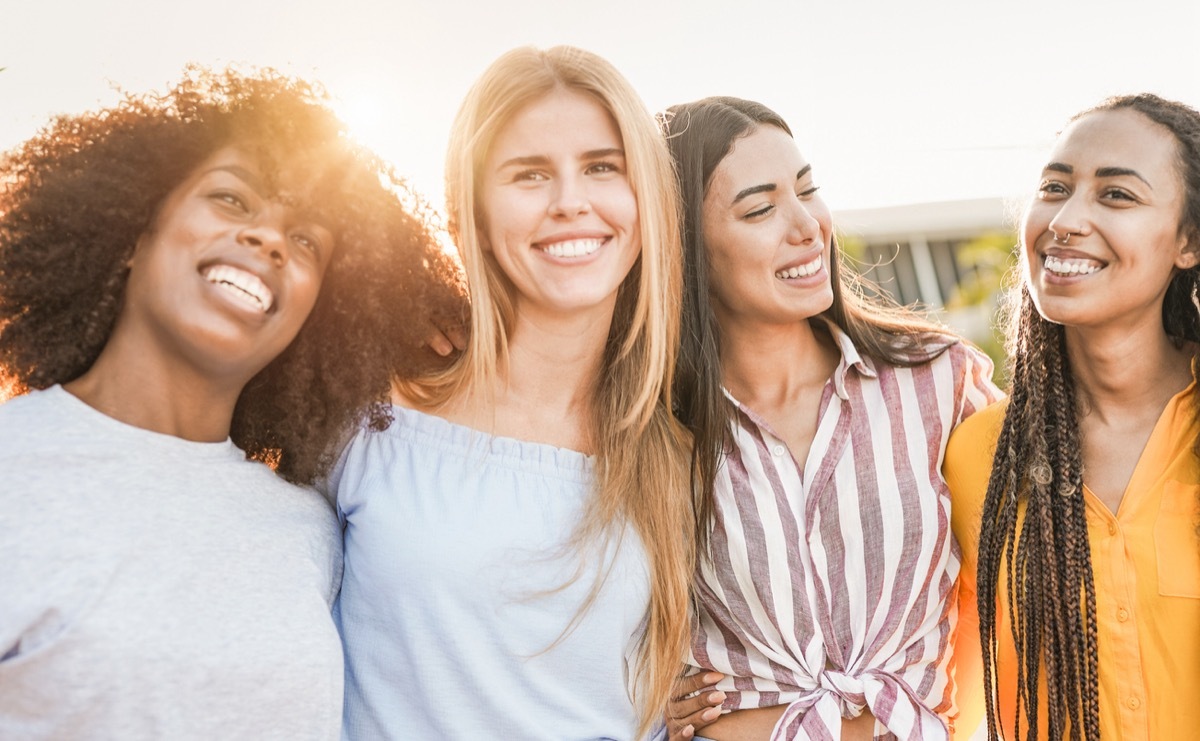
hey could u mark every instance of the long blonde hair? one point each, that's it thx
(640, 450)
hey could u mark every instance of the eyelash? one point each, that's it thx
(1054, 188)
(308, 242)
(769, 207)
(232, 199)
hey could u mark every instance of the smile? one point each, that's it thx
(572, 248)
(1072, 266)
(242, 286)
(801, 271)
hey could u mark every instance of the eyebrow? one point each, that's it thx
(766, 187)
(251, 179)
(539, 159)
(1102, 172)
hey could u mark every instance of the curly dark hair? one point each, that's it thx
(77, 196)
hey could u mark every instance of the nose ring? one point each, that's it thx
(1063, 239)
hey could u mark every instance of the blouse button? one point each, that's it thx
(1122, 614)
(1134, 703)
(778, 451)
(1112, 528)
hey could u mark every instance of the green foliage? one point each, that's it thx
(993, 256)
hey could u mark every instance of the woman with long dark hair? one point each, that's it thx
(1086, 531)
(825, 587)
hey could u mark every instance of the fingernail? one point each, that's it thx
(711, 678)
(710, 714)
(687, 732)
(716, 697)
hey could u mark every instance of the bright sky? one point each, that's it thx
(893, 102)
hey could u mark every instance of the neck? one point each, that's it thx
(547, 391)
(159, 394)
(1121, 370)
(774, 363)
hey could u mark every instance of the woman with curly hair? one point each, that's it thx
(517, 555)
(186, 281)
(1083, 533)
(825, 576)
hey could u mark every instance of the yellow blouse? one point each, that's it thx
(1146, 566)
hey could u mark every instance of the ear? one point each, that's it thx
(1189, 250)
(138, 248)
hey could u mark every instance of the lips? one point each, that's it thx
(241, 285)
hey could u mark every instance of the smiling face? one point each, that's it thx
(1102, 237)
(768, 234)
(559, 215)
(227, 273)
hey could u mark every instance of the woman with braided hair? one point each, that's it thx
(1084, 538)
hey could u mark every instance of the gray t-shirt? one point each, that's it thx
(152, 587)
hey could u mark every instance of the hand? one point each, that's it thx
(692, 705)
(446, 340)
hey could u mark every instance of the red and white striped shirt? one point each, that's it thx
(830, 585)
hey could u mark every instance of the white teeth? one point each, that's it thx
(573, 248)
(800, 271)
(244, 286)
(1072, 266)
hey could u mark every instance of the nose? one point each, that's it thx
(1071, 217)
(267, 233)
(805, 227)
(570, 198)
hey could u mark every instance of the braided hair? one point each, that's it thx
(1048, 582)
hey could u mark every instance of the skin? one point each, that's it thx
(1113, 183)
(183, 348)
(762, 216)
(555, 179)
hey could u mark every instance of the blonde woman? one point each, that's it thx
(517, 542)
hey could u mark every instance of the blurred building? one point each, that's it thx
(947, 257)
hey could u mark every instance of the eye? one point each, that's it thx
(1116, 194)
(603, 168)
(530, 176)
(806, 194)
(231, 199)
(308, 241)
(763, 211)
(1051, 188)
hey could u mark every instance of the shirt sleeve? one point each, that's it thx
(966, 469)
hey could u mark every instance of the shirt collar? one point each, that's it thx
(851, 358)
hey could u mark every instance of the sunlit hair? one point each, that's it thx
(77, 197)
(700, 135)
(639, 448)
(1038, 468)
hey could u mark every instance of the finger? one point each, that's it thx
(458, 337)
(689, 706)
(439, 344)
(685, 686)
(698, 711)
(681, 734)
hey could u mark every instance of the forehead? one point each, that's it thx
(765, 155)
(1119, 138)
(560, 119)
